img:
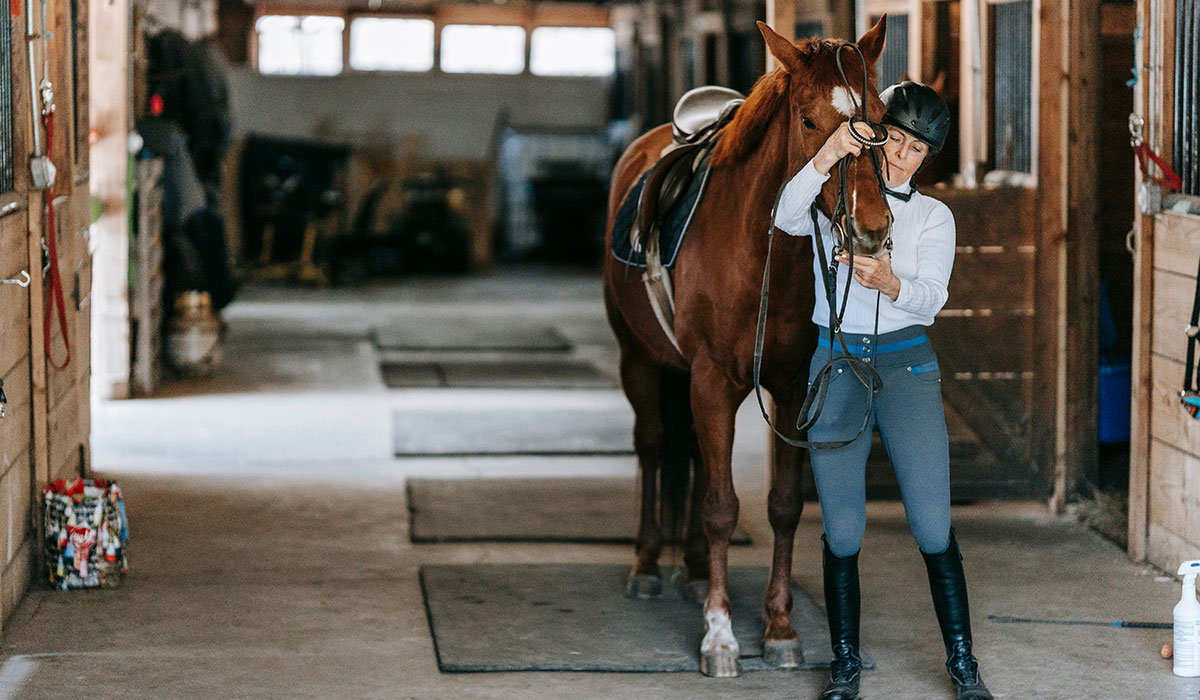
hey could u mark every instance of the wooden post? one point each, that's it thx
(1082, 306)
(108, 112)
(970, 76)
(1150, 102)
(1065, 324)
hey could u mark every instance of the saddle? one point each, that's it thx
(695, 124)
(698, 116)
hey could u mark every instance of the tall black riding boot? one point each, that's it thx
(949, 588)
(842, 606)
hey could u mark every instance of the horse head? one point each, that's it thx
(824, 81)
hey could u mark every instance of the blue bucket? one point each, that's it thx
(1115, 383)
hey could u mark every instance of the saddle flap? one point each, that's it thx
(665, 183)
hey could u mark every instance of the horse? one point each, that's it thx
(684, 397)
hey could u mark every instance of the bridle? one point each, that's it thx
(814, 400)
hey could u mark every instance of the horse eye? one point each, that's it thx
(808, 123)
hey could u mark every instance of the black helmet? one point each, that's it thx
(919, 110)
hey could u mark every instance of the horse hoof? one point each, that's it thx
(720, 664)
(785, 653)
(694, 591)
(643, 586)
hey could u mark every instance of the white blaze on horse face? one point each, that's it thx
(844, 99)
(719, 635)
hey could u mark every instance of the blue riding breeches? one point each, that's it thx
(908, 414)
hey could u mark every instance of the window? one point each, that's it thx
(893, 62)
(1012, 85)
(478, 48)
(6, 103)
(377, 43)
(1186, 140)
(300, 45)
(575, 51)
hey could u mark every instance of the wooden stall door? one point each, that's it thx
(1173, 501)
(984, 339)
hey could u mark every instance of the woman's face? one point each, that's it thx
(905, 153)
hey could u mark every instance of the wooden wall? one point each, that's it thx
(45, 433)
(1172, 502)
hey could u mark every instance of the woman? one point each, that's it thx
(901, 292)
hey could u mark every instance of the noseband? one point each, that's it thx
(814, 400)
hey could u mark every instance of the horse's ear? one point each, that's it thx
(783, 50)
(871, 43)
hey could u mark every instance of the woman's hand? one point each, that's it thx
(874, 273)
(839, 144)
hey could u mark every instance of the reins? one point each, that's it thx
(818, 389)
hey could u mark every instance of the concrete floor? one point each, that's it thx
(270, 557)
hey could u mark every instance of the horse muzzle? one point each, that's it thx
(869, 243)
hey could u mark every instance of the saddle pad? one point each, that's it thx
(674, 224)
(575, 617)
(585, 509)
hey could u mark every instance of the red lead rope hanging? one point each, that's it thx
(55, 279)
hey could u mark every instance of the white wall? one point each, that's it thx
(454, 114)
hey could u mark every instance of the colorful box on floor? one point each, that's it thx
(86, 534)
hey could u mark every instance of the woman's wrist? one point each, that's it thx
(822, 163)
(893, 289)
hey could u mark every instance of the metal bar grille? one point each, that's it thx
(1187, 116)
(6, 103)
(893, 64)
(1012, 107)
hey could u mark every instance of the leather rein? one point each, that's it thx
(818, 389)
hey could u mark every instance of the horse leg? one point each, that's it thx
(714, 403)
(695, 554)
(641, 382)
(781, 645)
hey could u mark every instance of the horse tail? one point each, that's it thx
(678, 452)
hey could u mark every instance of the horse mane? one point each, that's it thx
(746, 129)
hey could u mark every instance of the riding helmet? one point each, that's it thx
(919, 110)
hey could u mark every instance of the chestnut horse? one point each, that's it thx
(684, 400)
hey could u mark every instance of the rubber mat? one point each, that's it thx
(470, 336)
(425, 431)
(495, 374)
(590, 510)
(575, 617)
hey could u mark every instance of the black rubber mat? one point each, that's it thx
(590, 510)
(424, 431)
(495, 374)
(470, 336)
(575, 617)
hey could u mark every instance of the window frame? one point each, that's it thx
(527, 33)
(268, 10)
(557, 25)
(437, 41)
(527, 17)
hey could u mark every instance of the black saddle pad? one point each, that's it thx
(674, 224)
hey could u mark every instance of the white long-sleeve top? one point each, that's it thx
(922, 255)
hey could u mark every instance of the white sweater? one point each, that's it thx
(922, 255)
